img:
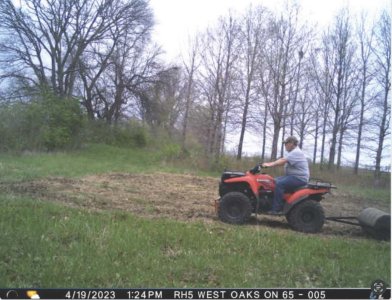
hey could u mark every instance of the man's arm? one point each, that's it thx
(279, 162)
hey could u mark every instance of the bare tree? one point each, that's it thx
(305, 114)
(95, 50)
(382, 116)
(301, 112)
(280, 52)
(365, 74)
(190, 69)
(161, 100)
(296, 90)
(49, 38)
(322, 68)
(112, 81)
(338, 80)
(252, 35)
(220, 52)
(262, 116)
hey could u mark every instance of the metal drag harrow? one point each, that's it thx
(372, 220)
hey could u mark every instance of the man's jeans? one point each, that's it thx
(284, 184)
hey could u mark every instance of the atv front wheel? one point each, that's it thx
(235, 208)
(307, 216)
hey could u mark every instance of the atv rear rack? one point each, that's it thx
(319, 184)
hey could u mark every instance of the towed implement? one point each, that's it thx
(245, 193)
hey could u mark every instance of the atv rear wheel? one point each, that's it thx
(235, 208)
(307, 216)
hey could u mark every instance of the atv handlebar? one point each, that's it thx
(257, 168)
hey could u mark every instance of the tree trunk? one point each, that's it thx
(383, 129)
(243, 124)
(316, 139)
(275, 139)
(340, 148)
(187, 108)
(360, 126)
(264, 131)
(324, 134)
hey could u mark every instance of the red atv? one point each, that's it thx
(242, 194)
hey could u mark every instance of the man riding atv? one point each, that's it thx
(296, 173)
(243, 193)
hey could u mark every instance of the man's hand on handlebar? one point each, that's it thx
(255, 170)
(258, 168)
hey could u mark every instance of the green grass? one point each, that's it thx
(48, 245)
(93, 159)
(372, 194)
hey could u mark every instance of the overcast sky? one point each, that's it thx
(177, 20)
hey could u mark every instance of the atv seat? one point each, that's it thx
(313, 186)
(297, 189)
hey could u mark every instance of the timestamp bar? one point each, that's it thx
(172, 293)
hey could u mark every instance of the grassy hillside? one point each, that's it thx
(50, 244)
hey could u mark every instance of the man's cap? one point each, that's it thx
(291, 139)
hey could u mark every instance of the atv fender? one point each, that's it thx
(246, 180)
(301, 195)
(288, 206)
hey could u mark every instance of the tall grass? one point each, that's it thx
(47, 245)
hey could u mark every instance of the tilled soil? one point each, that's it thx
(176, 196)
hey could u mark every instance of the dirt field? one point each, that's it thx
(175, 196)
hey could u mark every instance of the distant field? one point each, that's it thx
(111, 217)
(182, 197)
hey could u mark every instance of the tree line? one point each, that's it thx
(263, 72)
